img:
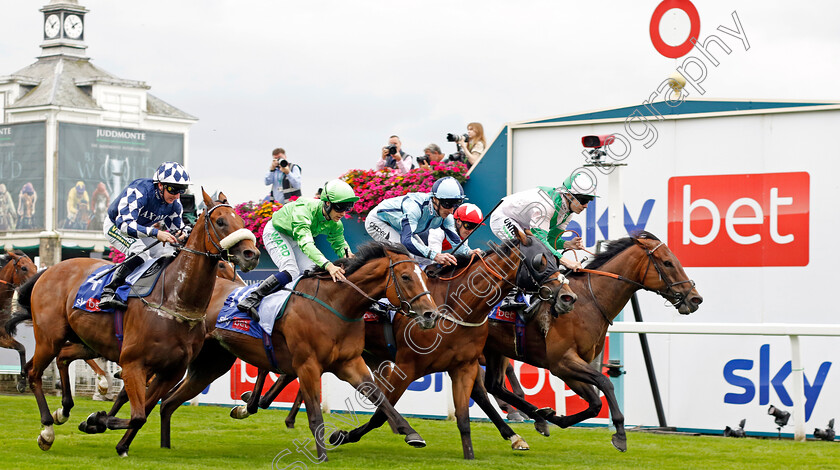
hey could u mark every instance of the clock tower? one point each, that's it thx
(64, 29)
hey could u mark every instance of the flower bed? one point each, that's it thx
(373, 186)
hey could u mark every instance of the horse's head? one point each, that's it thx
(667, 277)
(407, 287)
(219, 230)
(539, 273)
(16, 268)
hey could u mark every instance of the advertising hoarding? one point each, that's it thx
(22, 176)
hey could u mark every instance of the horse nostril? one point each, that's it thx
(697, 300)
(567, 298)
(248, 254)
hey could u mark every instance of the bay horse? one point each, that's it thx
(320, 331)
(159, 338)
(15, 269)
(567, 344)
(455, 342)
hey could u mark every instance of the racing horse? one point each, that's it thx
(567, 344)
(320, 331)
(455, 341)
(159, 338)
(15, 269)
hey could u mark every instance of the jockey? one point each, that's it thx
(77, 197)
(130, 225)
(403, 218)
(467, 218)
(543, 212)
(289, 239)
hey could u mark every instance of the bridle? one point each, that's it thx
(221, 245)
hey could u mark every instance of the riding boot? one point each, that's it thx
(109, 297)
(515, 300)
(250, 303)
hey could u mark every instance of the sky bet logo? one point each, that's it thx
(734, 375)
(740, 220)
(591, 223)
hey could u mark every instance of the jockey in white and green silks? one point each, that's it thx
(290, 239)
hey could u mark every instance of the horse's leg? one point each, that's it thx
(355, 372)
(102, 383)
(494, 381)
(251, 398)
(158, 388)
(211, 363)
(134, 376)
(268, 397)
(290, 420)
(309, 374)
(45, 350)
(479, 394)
(69, 353)
(243, 411)
(463, 379)
(7, 342)
(540, 424)
(583, 380)
(398, 385)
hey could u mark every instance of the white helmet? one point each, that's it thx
(448, 188)
(172, 173)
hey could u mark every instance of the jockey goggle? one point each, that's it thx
(583, 199)
(342, 206)
(173, 189)
(450, 203)
(469, 225)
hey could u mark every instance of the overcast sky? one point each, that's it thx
(331, 80)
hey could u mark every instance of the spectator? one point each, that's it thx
(474, 148)
(398, 161)
(431, 154)
(283, 176)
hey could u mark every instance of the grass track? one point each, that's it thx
(205, 437)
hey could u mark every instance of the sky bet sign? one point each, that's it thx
(739, 220)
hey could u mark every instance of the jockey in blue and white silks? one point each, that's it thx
(400, 219)
(132, 218)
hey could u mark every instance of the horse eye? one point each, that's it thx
(25, 269)
(221, 222)
(406, 277)
(669, 264)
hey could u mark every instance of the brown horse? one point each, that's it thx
(160, 338)
(317, 336)
(455, 343)
(15, 269)
(567, 344)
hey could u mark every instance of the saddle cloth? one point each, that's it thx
(515, 319)
(138, 284)
(270, 309)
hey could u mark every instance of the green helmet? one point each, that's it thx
(338, 191)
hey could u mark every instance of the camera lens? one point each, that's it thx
(451, 138)
(284, 163)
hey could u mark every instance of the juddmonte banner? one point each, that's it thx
(22, 157)
(96, 163)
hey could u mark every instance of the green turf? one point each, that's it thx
(205, 437)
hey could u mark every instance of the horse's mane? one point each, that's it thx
(614, 247)
(369, 251)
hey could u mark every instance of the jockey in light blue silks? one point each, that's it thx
(401, 219)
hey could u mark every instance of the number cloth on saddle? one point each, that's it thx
(138, 284)
(270, 309)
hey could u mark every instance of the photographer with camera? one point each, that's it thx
(283, 176)
(431, 154)
(471, 145)
(394, 158)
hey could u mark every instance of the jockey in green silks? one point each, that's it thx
(290, 239)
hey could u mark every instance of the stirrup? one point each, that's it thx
(108, 300)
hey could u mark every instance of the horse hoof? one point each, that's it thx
(21, 385)
(339, 437)
(102, 385)
(546, 413)
(94, 423)
(245, 396)
(43, 444)
(542, 428)
(414, 440)
(517, 443)
(290, 424)
(58, 416)
(620, 442)
(239, 412)
(123, 453)
(515, 417)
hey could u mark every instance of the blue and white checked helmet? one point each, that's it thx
(172, 173)
(448, 188)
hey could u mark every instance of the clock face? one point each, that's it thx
(73, 26)
(52, 25)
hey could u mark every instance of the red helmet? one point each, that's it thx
(469, 213)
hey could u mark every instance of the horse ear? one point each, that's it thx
(539, 262)
(523, 238)
(208, 201)
(222, 198)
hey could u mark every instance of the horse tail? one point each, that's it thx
(25, 301)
